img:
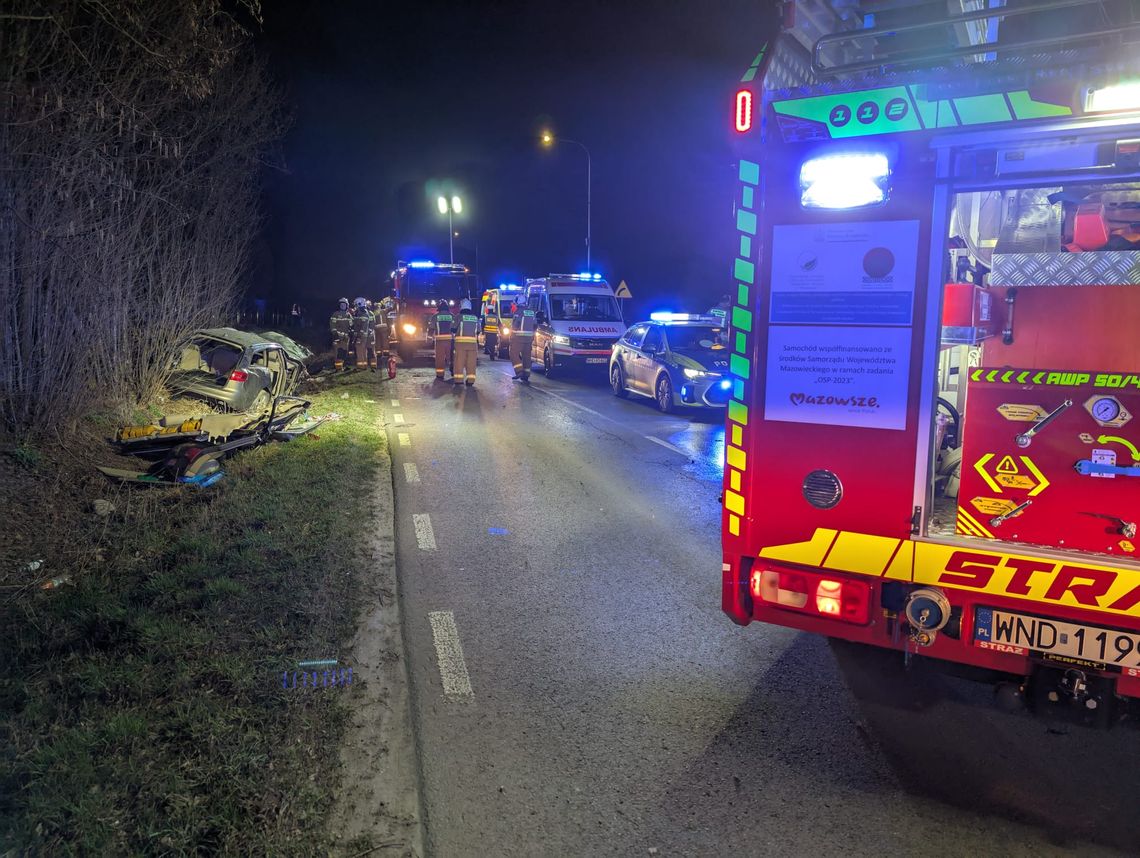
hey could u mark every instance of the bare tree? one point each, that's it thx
(132, 133)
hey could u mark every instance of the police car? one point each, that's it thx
(677, 359)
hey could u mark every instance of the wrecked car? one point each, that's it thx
(237, 370)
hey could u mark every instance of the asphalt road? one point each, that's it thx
(577, 690)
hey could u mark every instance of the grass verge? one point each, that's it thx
(142, 708)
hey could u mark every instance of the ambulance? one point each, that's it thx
(932, 441)
(496, 318)
(578, 321)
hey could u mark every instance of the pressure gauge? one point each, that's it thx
(1106, 409)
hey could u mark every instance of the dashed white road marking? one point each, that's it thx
(449, 653)
(667, 445)
(425, 536)
(395, 403)
(411, 472)
(404, 438)
(397, 418)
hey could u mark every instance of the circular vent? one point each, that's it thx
(822, 489)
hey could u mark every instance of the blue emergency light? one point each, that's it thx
(421, 263)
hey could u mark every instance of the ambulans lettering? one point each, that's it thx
(590, 329)
(1068, 584)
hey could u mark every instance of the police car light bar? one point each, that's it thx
(668, 316)
(584, 276)
(420, 263)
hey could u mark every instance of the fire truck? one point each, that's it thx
(418, 287)
(932, 443)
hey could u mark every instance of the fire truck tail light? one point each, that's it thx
(744, 110)
(839, 599)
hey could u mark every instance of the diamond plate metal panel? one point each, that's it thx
(1098, 268)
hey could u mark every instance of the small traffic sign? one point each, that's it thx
(622, 291)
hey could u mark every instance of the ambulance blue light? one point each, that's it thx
(585, 275)
(421, 264)
(597, 276)
(847, 180)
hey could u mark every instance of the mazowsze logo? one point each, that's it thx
(878, 262)
(835, 401)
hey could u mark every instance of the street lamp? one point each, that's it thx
(549, 140)
(450, 207)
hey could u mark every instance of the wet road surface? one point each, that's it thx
(577, 690)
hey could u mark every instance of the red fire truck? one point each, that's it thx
(418, 287)
(932, 445)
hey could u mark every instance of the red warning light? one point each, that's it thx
(744, 110)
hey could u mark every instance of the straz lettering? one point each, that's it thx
(1000, 647)
(1039, 579)
(843, 401)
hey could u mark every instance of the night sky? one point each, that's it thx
(391, 100)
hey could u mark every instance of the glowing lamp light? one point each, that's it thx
(827, 597)
(845, 181)
(1121, 96)
(744, 110)
(442, 203)
(456, 205)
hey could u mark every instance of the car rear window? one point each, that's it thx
(218, 358)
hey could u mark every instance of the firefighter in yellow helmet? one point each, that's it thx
(340, 326)
(466, 344)
(364, 333)
(440, 326)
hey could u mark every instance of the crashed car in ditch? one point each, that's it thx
(237, 370)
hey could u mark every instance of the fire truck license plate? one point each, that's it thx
(596, 360)
(1001, 630)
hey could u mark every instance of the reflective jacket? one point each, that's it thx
(525, 323)
(363, 322)
(491, 324)
(340, 323)
(440, 324)
(467, 329)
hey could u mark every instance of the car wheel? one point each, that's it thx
(617, 380)
(664, 396)
(261, 402)
(547, 362)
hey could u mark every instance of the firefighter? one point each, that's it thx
(490, 330)
(382, 309)
(466, 344)
(522, 337)
(363, 328)
(340, 326)
(440, 326)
